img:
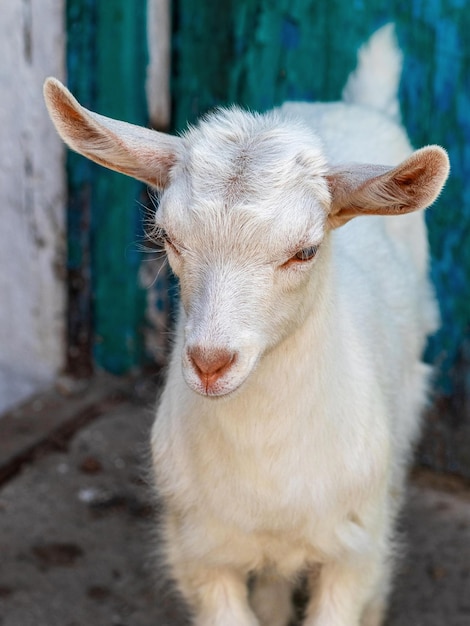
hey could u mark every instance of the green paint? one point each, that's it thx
(107, 56)
(80, 19)
(116, 230)
(258, 53)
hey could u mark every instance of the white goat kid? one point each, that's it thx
(295, 384)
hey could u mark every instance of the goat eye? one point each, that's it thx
(305, 254)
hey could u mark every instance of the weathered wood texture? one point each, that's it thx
(259, 53)
(107, 57)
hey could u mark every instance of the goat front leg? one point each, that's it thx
(215, 592)
(343, 591)
(216, 597)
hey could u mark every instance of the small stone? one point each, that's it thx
(437, 572)
(57, 554)
(90, 465)
(98, 592)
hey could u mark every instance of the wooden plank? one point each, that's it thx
(117, 216)
(107, 57)
(80, 23)
(258, 53)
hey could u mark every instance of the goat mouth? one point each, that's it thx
(219, 390)
(222, 388)
(235, 374)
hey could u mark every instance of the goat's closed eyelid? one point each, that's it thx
(167, 241)
(169, 245)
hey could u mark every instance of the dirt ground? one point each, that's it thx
(76, 536)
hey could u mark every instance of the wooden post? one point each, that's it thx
(107, 57)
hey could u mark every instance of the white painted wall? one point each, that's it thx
(32, 200)
(158, 69)
(154, 273)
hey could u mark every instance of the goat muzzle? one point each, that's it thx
(210, 364)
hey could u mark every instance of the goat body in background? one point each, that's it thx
(296, 384)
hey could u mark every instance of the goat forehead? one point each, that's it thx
(249, 174)
(263, 223)
(235, 154)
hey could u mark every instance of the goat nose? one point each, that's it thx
(210, 364)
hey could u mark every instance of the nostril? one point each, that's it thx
(211, 363)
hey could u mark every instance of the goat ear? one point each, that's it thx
(133, 150)
(379, 190)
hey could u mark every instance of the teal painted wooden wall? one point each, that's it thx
(107, 56)
(259, 53)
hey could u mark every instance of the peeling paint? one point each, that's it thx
(107, 58)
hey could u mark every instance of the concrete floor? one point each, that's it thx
(76, 545)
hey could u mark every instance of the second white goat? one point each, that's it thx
(295, 385)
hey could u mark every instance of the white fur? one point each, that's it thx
(295, 388)
(370, 85)
(304, 464)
